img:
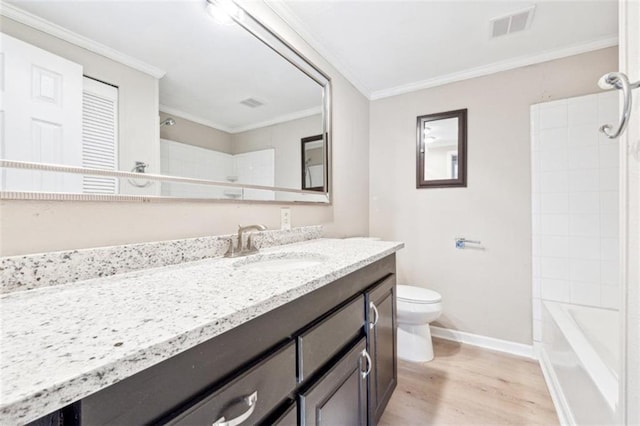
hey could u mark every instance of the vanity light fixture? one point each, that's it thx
(224, 12)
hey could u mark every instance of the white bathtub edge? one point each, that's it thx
(605, 381)
(506, 346)
(555, 390)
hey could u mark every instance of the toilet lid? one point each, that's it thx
(413, 294)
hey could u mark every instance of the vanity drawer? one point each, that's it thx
(318, 344)
(249, 397)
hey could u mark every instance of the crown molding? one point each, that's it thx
(280, 119)
(496, 67)
(196, 119)
(290, 18)
(287, 15)
(22, 16)
(205, 122)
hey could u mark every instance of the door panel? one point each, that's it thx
(44, 101)
(339, 397)
(381, 346)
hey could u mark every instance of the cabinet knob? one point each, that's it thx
(251, 401)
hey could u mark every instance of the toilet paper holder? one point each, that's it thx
(461, 242)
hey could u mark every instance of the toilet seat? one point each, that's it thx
(418, 295)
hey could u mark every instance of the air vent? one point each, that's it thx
(512, 23)
(252, 103)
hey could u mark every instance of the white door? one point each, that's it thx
(41, 107)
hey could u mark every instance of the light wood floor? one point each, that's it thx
(466, 385)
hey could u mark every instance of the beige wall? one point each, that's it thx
(192, 133)
(486, 292)
(284, 138)
(35, 226)
(137, 99)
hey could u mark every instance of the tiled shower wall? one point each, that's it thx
(574, 203)
(179, 159)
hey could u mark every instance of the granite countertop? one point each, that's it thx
(63, 343)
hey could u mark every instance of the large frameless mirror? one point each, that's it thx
(441, 150)
(167, 99)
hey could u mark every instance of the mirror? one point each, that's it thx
(441, 150)
(220, 101)
(313, 163)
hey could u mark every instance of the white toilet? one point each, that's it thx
(417, 307)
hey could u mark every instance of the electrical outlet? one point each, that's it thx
(285, 218)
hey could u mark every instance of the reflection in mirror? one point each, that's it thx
(221, 102)
(441, 149)
(313, 163)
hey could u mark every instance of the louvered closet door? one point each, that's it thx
(99, 135)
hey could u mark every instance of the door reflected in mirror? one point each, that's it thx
(441, 145)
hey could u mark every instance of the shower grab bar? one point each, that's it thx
(618, 80)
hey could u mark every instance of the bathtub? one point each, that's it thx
(580, 356)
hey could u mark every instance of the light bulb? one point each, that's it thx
(223, 11)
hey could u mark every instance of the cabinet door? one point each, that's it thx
(381, 345)
(288, 418)
(339, 397)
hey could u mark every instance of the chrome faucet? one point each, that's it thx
(241, 249)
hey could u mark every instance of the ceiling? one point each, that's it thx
(389, 47)
(384, 47)
(208, 68)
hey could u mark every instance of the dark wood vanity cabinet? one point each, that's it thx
(326, 358)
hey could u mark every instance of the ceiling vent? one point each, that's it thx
(512, 23)
(252, 103)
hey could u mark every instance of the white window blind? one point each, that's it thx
(99, 135)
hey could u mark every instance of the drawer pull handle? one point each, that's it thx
(375, 315)
(251, 401)
(369, 364)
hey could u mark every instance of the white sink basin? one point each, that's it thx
(278, 262)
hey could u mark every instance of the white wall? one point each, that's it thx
(484, 292)
(630, 63)
(575, 208)
(37, 226)
(185, 160)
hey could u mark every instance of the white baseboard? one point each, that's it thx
(492, 343)
(557, 396)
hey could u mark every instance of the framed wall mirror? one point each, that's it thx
(313, 162)
(144, 108)
(441, 150)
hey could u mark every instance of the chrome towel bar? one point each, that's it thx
(461, 242)
(618, 80)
